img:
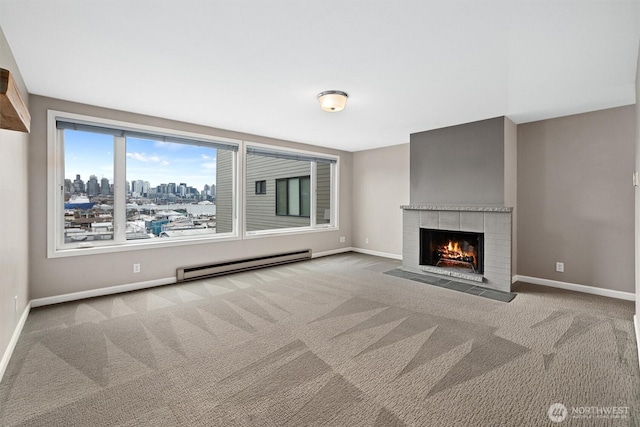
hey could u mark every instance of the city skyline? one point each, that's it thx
(131, 184)
(157, 162)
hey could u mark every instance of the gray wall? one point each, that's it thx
(461, 164)
(49, 277)
(380, 187)
(14, 187)
(575, 198)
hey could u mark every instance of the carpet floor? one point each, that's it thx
(328, 342)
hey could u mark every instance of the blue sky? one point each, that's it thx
(154, 161)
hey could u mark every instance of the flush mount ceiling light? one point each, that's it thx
(332, 101)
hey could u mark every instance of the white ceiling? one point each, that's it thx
(256, 66)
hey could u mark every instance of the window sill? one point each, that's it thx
(134, 246)
(142, 245)
(288, 231)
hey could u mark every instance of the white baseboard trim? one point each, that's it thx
(576, 287)
(14, 340)
(635, 324)
(74, 296)
(376, 253)
(331, 252)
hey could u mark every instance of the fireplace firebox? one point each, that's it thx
(452, 250)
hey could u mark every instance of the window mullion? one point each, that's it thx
(312, 194)
(59, 201)
(119, 190)
(334, 174)
(238, 213)
(287, 193)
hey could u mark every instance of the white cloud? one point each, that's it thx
(168, 146)
(142, 157)
(209, 165)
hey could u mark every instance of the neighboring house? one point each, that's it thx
(224, 191)
(278, 193)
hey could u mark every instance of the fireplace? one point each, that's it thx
(486, 228)
(457, 251)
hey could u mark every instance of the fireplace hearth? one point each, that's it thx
(452, 250)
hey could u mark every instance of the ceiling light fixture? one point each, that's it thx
(332, 101)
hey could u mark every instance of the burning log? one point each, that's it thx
(452, 251)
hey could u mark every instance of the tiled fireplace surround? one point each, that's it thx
(493, 221)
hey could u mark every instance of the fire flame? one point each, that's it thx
(453, 251)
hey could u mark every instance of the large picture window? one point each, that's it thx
(121, 186)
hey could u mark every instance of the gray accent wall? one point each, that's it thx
(14, 189)
(57, 276)
(461, 164)
(576, 199)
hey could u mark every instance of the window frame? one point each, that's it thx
(55, 186)
(261, 187)
(333, 224)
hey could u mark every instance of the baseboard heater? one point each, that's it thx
(216, 269)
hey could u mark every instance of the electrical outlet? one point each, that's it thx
(343, 239)
(560, 267)
(366, 240)
(136, 268)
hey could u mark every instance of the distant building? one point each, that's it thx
(139, 188)
(93, 188)
(208, 192)
(68, 186)
(78, 185)
(105, 188)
